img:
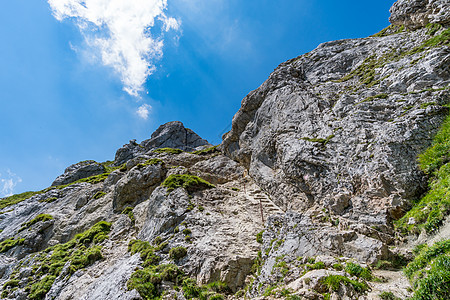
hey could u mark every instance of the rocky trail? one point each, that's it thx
(301, 200)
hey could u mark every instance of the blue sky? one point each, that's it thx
(70, 92)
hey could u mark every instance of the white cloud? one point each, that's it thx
(120, 31)
(8, 183)
(143, 111)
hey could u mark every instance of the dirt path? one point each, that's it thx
(396, 283)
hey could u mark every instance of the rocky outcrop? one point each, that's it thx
(169, 135)
(414, 14)
(342, 126)
(78, 171)
(299, 199)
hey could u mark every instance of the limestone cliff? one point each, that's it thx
(298, 202)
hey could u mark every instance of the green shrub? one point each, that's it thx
(388, 296)
(10, 243)
(191, 290)
(189, 182)
(218, 287)
(168, 150)
(38, 218)
(316, 266)
(187, 231)
(259, 237)
(358, 271)
(338, 267)
(177, 253)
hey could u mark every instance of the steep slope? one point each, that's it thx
(298, 202)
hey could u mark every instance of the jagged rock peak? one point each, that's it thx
(170, 135)
(175, 135)
(78, 171)
(415, 14)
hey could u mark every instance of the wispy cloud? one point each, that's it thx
(143, 111)
(120, 32)
(8, 182)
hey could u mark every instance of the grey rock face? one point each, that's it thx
(415, 14)
(342, 126)
(137, 185)
(175, 135)
(78, 171)
(169, 135)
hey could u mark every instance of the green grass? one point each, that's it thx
(147, 281)
(319, 140)
(168, 150)
(14, 199)
(356, 270)
(83, 250)
(333, 283)
(49, 200)
(316, 266)
(129, 212)
(388, 296)
(177, 253)
(371, 98)
(366, 73)
(150, 162)
(10, 243)
(210, 150)
(189, 182)
(429, 273)
(39, 218)
(430, 211)
(98, 195)
(259, 237)
(391, 29)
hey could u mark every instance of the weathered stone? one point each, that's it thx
(137, 185)
(415, 14)
(78, 171)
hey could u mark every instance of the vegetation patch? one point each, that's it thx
(150, 162)
(371, 98)
(39, 218)
(210, 150)
(10, 243)
(98, 195)
(189, 182)
(177, 253)
(168, 150)
(390, 30)
(129, 212)
(49, 200)
(388, 296)
(147, 281)
(109, 167)
(430, 211)
(333, 283)
(80, 252)
(259, 237)
(14, 199)
(319, 140)
(429, 273)
(358, 271)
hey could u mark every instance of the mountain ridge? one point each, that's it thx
(300, 200)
